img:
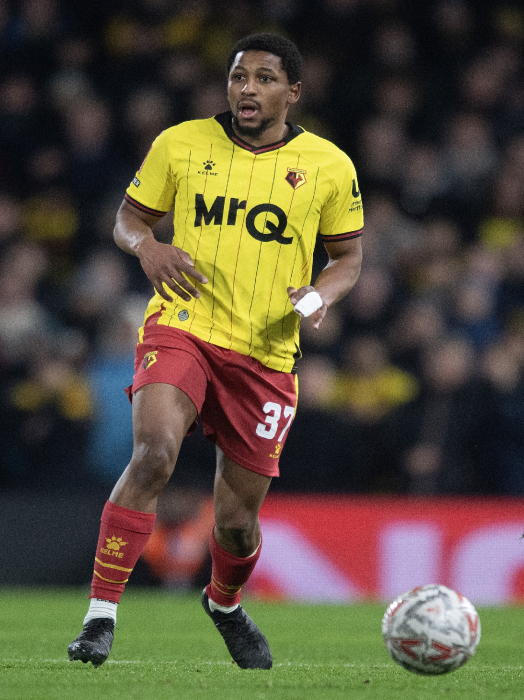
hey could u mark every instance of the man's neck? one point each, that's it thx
(274, 134)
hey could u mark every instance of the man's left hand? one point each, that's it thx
(295, 295)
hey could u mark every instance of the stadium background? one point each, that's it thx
(413, 389)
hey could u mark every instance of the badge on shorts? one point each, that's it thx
(183, 315)
(149, 359)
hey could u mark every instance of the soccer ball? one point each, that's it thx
(431, 630)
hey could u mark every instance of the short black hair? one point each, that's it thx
(275, 44)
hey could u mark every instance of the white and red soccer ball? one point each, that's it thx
(431, 630)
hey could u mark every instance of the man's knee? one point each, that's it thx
(153, 463)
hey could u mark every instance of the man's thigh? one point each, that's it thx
(162, 415)
(181, 367)
(248, 411)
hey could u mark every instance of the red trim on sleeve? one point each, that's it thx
(142, 207)
(343, 236)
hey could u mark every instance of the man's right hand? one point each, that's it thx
(168, 265)
(165, 265)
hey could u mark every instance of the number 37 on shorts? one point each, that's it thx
(278, 419)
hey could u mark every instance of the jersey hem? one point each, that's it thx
(224, 343)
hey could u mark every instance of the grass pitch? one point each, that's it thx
(166, 647)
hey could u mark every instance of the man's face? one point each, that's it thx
(259, 92)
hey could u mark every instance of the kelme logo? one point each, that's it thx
(112, 548)
(208, 167)
(276, 453)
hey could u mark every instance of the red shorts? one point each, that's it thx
(244, 407)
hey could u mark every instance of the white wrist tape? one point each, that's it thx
(308, 304)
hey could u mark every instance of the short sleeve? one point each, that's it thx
(153, 188)
(342, 216)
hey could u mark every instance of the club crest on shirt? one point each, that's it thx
(296, 177)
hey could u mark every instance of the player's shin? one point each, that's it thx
(228, 574)
(123, 535)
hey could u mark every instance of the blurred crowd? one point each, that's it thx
(415, 382)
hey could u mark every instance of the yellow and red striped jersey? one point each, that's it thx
(249, 218)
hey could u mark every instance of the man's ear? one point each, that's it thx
(294, 93)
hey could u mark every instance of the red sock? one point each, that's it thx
(123, 535)
(228, 574)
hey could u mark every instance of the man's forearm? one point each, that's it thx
(339, 277)
(132, 230)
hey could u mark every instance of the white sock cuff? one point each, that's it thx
(223, 608)
(101, 608)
